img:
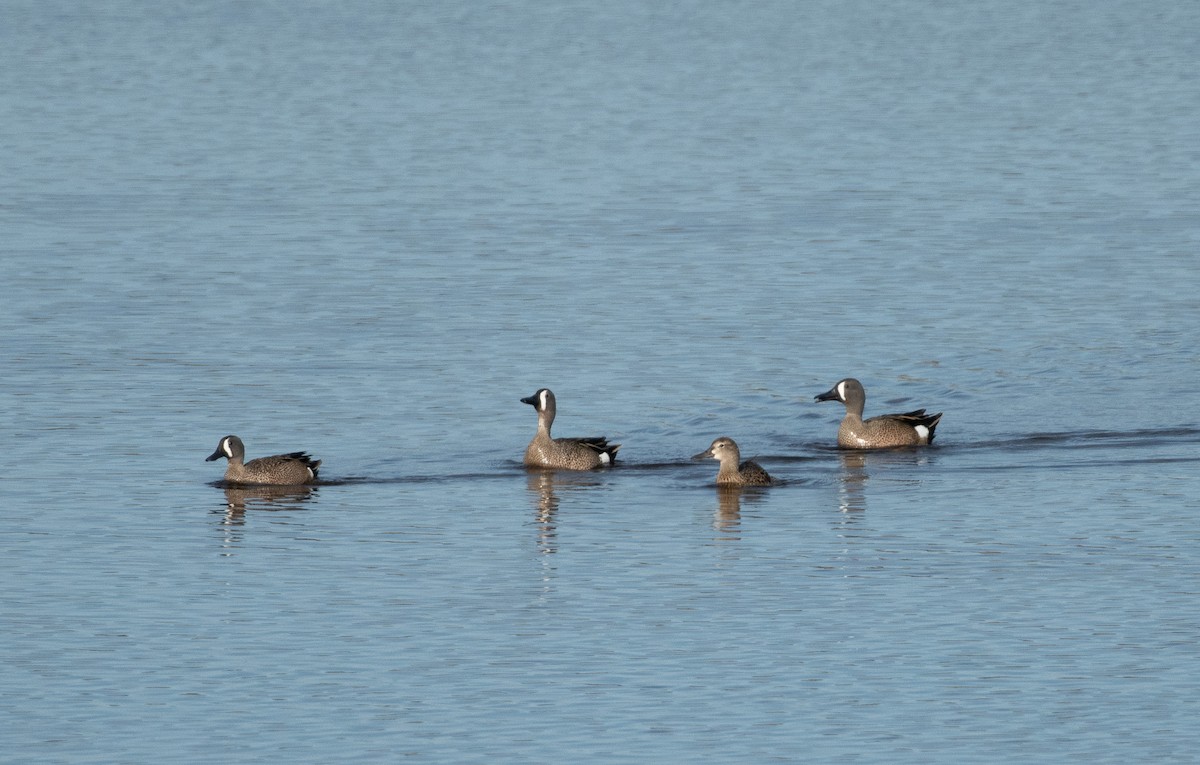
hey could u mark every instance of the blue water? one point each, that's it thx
(368, 229)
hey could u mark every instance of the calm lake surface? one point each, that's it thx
(367, 229)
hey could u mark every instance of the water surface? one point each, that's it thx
(368, 230)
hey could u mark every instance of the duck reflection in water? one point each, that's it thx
(857, 468)
(728, 515)
(239, 498)
(852, 496)
(541, 484)
(727, 518)
(545, 485)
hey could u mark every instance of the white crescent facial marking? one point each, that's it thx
(544, 398)
(225, 447)
(841, 389)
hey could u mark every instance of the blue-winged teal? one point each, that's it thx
(733, 472)
(565, 453)
(886, 431)
(291, 469)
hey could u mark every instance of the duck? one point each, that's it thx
(885, 431)
(545, 451)
(291, 469)
(733, 472)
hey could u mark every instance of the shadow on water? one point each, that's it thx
(1119, 447)
(362, 480)
(851, 470)
(854, 470)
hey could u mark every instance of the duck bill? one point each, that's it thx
(218, 454)
(829, 395)
(531, 400)
(703, 455)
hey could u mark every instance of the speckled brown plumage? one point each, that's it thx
(885, 431)
(292, 469)
(733, 472)
(545, 451)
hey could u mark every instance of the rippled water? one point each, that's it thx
(367, 230)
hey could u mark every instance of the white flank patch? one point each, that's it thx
(310, 472)
(604, 458)
(923, 432)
